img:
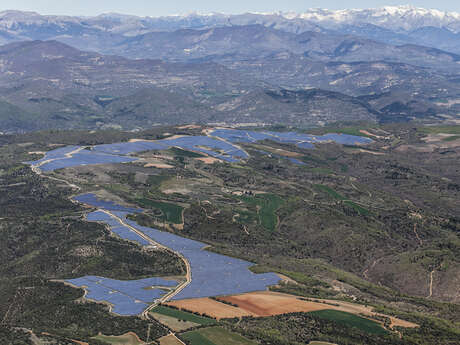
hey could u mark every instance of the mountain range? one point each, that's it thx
(305, 69)
(392, 25)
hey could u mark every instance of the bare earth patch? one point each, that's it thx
(158, 165)
(189, 127)
(208, 160)
(170, 339)
(154, 141)
(371, 134)
(79, 342)
(176, 190)
(371, 152)
(432, 142)
(266, 303)
(210, 307)
(129, 338)
(434, 138)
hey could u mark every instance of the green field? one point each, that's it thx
(440, 129)
(351, 320)
(195, 338)
(169, 212)
(357, 208)
(215, 336)
(184, 153)
(351, 130)
(329, 191)
(337, 196)
(267, 205)
(182, 315)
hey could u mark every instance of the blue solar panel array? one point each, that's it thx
(126, 297)
(300, 139)
(53, 154)
(212, 274)
(220, 146)
(93, 200)
(84, 158)
(213, 147)
(117, 228)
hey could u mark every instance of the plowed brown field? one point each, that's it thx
(268, 303)
(265, 303)
(210, 307)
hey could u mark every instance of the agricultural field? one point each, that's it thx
(349, 319)
(125, 339)
(215, 336)
(169, 339)
(209, 306)
(168, 212)
(179, 320)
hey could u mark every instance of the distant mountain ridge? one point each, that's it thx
(304, 69)
(390, 24)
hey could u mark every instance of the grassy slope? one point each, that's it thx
(170, 212)
(267, 205)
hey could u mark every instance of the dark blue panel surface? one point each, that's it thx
(212, 274)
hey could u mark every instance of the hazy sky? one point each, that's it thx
(165, 7)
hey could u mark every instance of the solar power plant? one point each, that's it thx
(300, 139)
(126, 297)
(93, 200)
(220, 146)
(212, 274)
(85, 158)
(53, 154)
(213, 147)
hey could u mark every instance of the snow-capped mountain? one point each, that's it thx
(391, 25)
(405, 18)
